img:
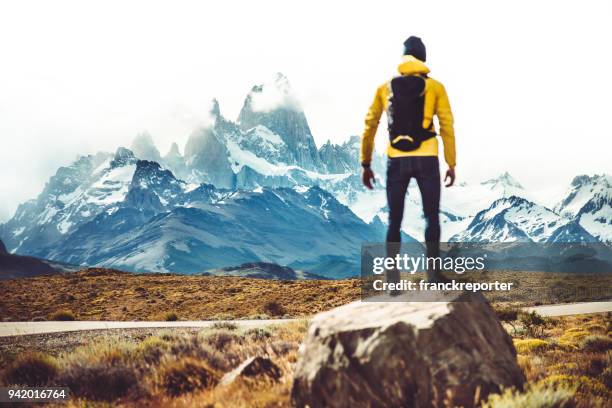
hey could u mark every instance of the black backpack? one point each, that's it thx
(405, 113)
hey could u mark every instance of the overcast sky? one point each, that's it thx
(529, 81)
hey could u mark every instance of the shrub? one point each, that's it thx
(537, 396)
(224, 326)
(187, 375)
(62, 315)
(258, 333)
(272, 307)
(109, 351)
(193, 347)
(533, 323)
(508, 315)
(526, 346)
(221, 339)
(151, 349)
(596, 343)
(281, 347)
(223, 316)
(563, 367)
(100, 381)
(170, 317)
(31, 369)
(595, 327)
(168, 335)
(582, 384)
(573, 336)
(259, 316)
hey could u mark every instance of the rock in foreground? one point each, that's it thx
(405, 354)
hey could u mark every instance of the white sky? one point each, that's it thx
(529, 81)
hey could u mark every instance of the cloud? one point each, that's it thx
(274, 94)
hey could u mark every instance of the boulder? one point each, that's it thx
(253, 367)
(450, 352)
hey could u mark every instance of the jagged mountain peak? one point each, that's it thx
(174, 151)
(144, 147)
(503, 180)
(514, 218)
(269, 96)
(275, 106)
(122, 157)
(585, 179)
(214, 110)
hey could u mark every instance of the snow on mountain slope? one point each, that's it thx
(589, 202)
(581, 191)
(275, 106)
(269, 225)
(75, 194)
(514, 218)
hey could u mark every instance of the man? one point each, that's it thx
(411, 100)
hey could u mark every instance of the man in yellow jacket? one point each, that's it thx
(410, 101)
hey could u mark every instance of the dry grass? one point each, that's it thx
(573, 354)
(102, 294)
(32, 368)
(183, 368)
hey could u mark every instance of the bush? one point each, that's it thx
(573, 336)
(100, 381)
(582, 384)
(31, 369)
(62, 315)
(272, 307)
(170, 317)
(526, 346)
(187, 375)
(152, 349)
(508, 315)
(193, 347)
(596, 343)
(533, 323)
(258, 333)
(224, 326)
(109, 351)
(538, 396)
(221, 339)
(259, 316)
(222, 316)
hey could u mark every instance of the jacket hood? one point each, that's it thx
(411, 65)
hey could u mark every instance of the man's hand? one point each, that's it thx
(450, 174)
(367, 177)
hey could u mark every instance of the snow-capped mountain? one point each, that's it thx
(75, 194)
(515, 219)
(144, 148)
(269, 145)
(505, 185)
(259, 190)
(589, 202)
(148, 220)
(276, 107)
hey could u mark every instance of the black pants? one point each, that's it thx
(426, 171)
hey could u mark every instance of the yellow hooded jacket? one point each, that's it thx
(436, 103)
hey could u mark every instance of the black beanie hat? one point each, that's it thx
(415, 47)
